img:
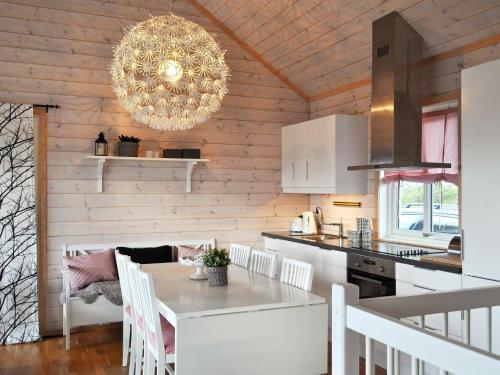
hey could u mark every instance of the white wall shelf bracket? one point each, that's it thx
(101, 160)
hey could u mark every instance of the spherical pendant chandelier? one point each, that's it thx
(169, 73)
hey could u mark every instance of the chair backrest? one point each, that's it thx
(152, 325)
(135, 298)
(263, 262)
(297, 273)
(240, 254)
(121, 265)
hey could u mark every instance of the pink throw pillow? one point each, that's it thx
(91, 268)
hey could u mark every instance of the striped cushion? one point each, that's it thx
(91, 268)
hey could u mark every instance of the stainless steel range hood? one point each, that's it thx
(396, 112)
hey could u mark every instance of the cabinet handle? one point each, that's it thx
(423, 287)
(307, 170)
(293, 171)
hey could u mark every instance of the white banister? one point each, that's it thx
(345, 342)
(423, 345)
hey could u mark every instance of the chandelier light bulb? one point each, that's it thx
(169, 73)
(170, 70)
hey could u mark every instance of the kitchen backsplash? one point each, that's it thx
(333, 214)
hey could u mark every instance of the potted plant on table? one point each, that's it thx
(216, 261)
(128, 146)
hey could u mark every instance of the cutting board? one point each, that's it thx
(445, 258)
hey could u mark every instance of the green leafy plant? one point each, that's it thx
(216, 258)
(126, 138)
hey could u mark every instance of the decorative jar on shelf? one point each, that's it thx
(128, 146)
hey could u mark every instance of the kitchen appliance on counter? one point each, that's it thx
(304, 224)
(375, 277)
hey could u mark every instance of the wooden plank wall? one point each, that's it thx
(441, 83)
(58, 51)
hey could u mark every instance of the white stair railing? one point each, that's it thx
(378, 319)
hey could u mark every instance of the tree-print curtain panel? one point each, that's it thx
(18, 253)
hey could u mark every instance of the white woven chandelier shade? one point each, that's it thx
(169, 73)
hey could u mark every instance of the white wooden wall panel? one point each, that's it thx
(58, 52)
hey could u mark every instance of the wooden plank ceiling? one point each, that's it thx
(321, 45)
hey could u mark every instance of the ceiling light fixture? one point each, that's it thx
(169, 73)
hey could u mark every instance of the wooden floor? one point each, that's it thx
(96, 351)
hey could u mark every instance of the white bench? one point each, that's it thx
(76, 313)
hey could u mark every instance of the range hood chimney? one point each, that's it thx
(396, 111)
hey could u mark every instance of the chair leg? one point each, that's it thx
(125, 340)
(138, 355)
(133, 349)
(151, 364)
(67, 324)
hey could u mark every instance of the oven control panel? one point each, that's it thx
(371, 265)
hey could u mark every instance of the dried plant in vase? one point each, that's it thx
(128, 146)
(216, 261)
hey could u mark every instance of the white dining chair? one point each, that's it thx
(263, 262)
(138, 333)
(297, 273)
(159, 350)
(239, 254)
(121, 265)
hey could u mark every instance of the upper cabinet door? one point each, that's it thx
(480, 137)
(315, 160)
(293, 155)
(320, 162)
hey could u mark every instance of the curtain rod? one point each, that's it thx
(47, 106)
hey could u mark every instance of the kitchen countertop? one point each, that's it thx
(439, 261)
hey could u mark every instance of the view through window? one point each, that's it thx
(427, 207)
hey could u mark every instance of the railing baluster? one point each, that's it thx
(396, 362)
(489, 330)
(369, 361)
(445, 334)
(421, 364)
(390, 360)
(466, 327)
(414, 365)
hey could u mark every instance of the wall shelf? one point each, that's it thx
(101, 160)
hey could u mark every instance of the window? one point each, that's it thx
(423, 205)
(424, 209)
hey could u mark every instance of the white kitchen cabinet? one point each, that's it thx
(316, 154)
(480, 172)
(293, 151)
(411, 280)
(478, 318)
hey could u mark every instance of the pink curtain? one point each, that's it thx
(439, 144)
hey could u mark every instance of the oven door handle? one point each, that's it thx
(366, 279)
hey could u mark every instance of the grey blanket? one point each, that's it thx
(109, 289)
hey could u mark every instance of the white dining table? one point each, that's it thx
(254, 325)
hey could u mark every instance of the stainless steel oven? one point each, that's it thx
(375, 277)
